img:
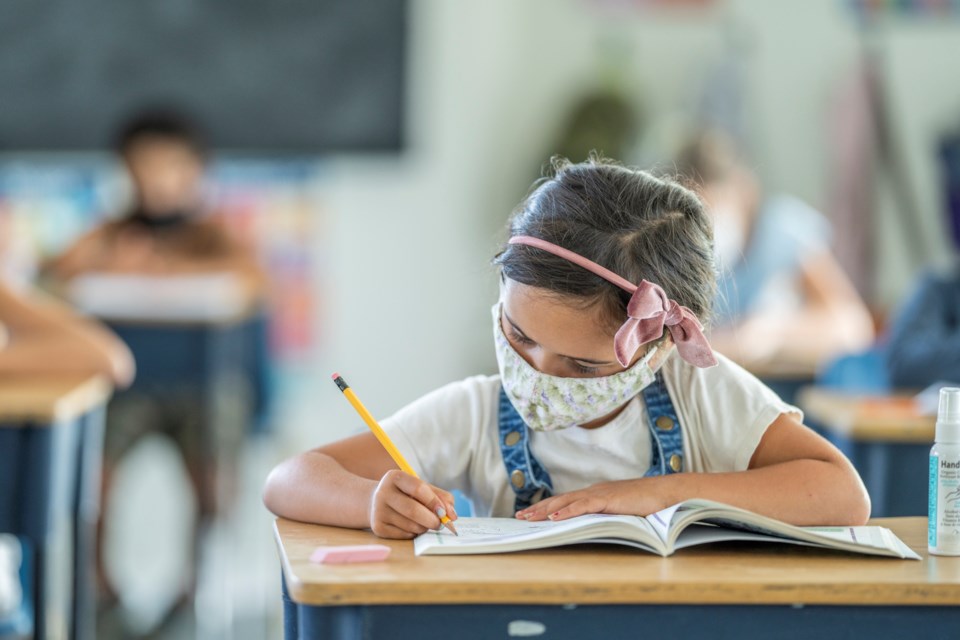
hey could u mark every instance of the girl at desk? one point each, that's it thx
(609, 398)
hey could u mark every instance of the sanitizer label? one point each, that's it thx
(947, 535)
(932, 503)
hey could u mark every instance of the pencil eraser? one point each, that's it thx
(350, 554)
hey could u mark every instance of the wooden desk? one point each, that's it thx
(885, 437)
(51, 434)
(732, 590)
(868, 418)
(46, 400)
(205, 357)
(775, 370)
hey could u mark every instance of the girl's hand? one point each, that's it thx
(631, 497)
(403, 506)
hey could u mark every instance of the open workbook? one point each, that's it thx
(683, 525)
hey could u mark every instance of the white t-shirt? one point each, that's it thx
(450, 435)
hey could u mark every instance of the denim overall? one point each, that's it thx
(531, 482)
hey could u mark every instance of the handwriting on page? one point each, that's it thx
(479, 528)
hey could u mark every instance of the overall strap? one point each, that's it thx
(666, 436)
(529, 480)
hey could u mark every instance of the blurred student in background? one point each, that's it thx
(167, 232)
(782, 296)
(924, 344)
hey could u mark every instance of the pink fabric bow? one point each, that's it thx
(648, 311)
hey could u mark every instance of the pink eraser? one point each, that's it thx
(350, 554)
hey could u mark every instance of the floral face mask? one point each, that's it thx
(547, 403)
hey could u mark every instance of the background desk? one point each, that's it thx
(51, 434)
(208, 356)
(885, 437)
(719, 591)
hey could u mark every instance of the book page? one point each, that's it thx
(698, 521)
(479, 529)
(871, 536)
(496, 535)
(660, 521)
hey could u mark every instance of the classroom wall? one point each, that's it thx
(407, 286)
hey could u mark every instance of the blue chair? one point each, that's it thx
(19, 623)
(863, 373)
(462, 504)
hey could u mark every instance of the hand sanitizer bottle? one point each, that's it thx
(943, 528)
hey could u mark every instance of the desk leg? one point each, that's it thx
(86, 514)
(290, 631)
(26, 490)
(36, 504)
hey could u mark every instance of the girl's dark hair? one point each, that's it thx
(635, 224)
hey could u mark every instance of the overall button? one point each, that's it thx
(517, 478)
(676, 462)
(511, 438)
(664, 423)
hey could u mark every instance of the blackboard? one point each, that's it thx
(302, 76)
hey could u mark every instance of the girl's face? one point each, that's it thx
(559, 339)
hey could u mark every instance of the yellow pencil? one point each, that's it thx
(384, 439)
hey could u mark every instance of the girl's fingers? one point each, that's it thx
(426, 495)
(544, 508)
(577, 508)
(410, 508)
(448, 501)
(394, 532)
(404, 523)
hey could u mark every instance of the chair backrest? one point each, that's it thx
(863, 372)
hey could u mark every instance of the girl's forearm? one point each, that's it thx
(802, 492)
(313, 487)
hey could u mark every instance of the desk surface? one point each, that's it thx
(185, 321)
(735, 573)
(871, 418)
(45, 399)
(782, 371)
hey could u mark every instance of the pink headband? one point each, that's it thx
(648, 311)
